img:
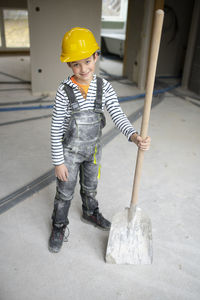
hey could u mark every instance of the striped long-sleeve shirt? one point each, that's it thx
(62, 112)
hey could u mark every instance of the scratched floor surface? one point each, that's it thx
(169, 194)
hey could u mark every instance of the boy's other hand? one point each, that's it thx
(143, 144)
(61, 172)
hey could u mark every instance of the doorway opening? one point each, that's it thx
(14, 33)
(113, 35)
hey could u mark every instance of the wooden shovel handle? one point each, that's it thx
(157, 28)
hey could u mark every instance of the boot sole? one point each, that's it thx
(95, 225)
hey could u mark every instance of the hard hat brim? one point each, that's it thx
(76, 57)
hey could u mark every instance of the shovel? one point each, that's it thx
(130, 238)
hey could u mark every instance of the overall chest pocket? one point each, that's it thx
(88, 131)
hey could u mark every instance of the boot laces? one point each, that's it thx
(62, 232)
(98, 215)
(67, 233)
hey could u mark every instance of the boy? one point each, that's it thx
(77, 123)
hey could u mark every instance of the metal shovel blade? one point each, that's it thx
(130, 242)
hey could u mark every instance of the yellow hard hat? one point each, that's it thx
(78, 43)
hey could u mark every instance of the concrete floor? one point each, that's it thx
(169, 194)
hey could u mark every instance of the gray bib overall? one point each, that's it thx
(82, 152)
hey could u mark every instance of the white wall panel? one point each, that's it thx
(49, 20)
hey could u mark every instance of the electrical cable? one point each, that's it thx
(14, 89)
(172, 19)
(14, 77)
(26, 108)
(25, 120)
(27, 101)
(121, 99)
(15, 82)
(111, 77)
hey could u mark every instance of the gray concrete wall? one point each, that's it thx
(174, 37)
(194, 83)
(133, 39)
(49, 20)
(138, 35)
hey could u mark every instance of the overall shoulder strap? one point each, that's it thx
(98, 101)
(71, 96)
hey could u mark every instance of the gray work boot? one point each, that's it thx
(96, 219)
(56, 238)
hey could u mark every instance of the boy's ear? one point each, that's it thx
(96, 56)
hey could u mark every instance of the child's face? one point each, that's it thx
(84, 69)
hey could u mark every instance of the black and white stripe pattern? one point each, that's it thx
(62, 112)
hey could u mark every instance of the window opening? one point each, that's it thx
(16, 28)
(114, 10)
